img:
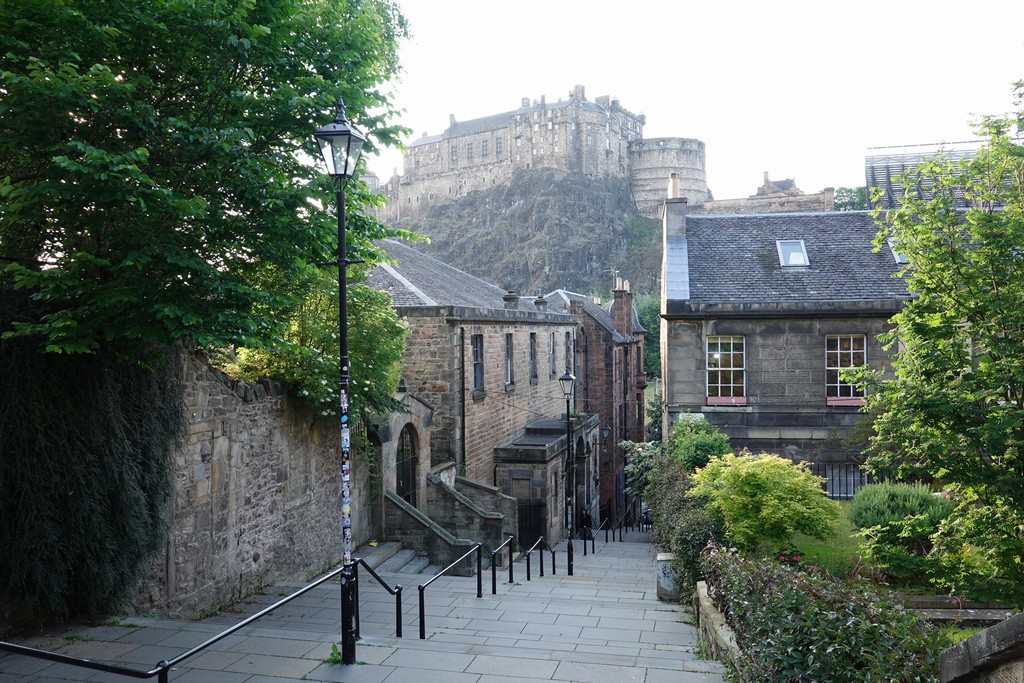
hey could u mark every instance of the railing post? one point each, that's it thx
(593, 546)
(541, 551)
(585, 541)
(606, 532)
(479, 571)
(553, 569)
(569, 561)
(494, 574)
(348, 616)
(528, 564)
(165, 668)
(423, 616)
(398, 611)
(510, 579)
(355, 590)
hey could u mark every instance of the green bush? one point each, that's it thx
(682, 524)
(695, 441)
(878, 504)
(764, 499)
(795, 626)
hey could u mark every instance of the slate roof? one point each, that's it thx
(734, 259)
(558, 301)
(417, 279)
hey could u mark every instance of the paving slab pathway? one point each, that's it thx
(601, 625)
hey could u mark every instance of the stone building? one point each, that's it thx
(774, 196)
(595, 139)
(487, 362)
(610, 384)
(760, 316)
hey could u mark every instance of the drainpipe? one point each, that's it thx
(462, 397)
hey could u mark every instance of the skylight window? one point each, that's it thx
(792, 253)
(901, 259)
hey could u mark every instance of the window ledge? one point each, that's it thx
(478, 394)
(510, 387)
(533, 381)
(727, 400)
(852, 402)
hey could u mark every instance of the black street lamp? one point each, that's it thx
(340, 145)
(568, 380)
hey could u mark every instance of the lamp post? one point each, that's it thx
(340, 145)
(568, 380)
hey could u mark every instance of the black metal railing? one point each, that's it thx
(494, 564)
(478, 549)
(163, 667)
(543, 545)
(396, 591)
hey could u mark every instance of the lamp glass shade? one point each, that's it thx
(567, 380)
(340, 145)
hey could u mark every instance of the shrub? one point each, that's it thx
(878, 504)
(682, 524)
(695, 441)
(795, 626)
(764, 499)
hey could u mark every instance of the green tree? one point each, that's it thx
(955, 408)
(694, 441)
(648, 309)
(156, 163)
(158, 182)
(765, 499)
(851, 199)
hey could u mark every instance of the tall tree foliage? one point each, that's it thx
(158, 182)
(149, 159)
(851, 199)
(955, 410)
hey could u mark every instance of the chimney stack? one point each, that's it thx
(511, 300)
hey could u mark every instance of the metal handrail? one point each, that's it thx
(478, 549)
(396, 591)
(494, 565)
(540, 541)
(163, 667)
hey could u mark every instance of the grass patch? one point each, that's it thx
(839, 554)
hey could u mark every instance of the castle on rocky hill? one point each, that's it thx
(598, 139)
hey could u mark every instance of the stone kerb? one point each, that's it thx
(715, 634)
(995, 655)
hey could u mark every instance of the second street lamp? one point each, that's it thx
(340, 145)
(568, 380)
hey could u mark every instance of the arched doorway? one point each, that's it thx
(405, 465)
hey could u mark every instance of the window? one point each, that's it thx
(497, 147)
(843, 351)
(901, 259)
(510, 374)
(484, 151)
(568, 352)
(552, 371)
(533, 356)
(792, 252)
(726, 371)
(477, 342)
(455, 155)
(469, 151)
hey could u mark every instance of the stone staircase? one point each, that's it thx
(389, 557)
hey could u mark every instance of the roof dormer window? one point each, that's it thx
(792, 253)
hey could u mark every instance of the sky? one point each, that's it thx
(798, 89)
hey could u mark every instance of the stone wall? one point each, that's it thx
(255, 496)
(785, 411)
(438, 368)
(821, 201)
(995, 655)
(651, 161)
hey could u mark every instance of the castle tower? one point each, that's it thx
(653, 160)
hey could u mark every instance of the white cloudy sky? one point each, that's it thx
(800, 89)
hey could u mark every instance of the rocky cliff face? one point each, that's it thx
(544, 230)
